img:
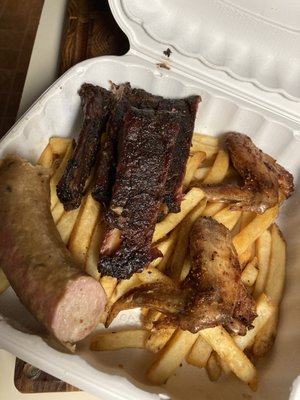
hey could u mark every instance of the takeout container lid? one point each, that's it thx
(205, 59)
(247, 49)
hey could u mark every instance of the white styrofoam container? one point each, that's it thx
(271, 117)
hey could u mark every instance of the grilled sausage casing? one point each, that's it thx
(35, 260)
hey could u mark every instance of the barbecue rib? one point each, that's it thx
(106, 169)
(211, 294)
(96, 104)
(141, 99)
(265, 181)
(145, 144)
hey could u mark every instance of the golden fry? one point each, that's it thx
(171, 356)
(47, 157)
(59, 145)
(263, 251)
(265, 339)
(219, 169)
(265, 309)
(193, 163)
(158, 339)
(200, 353)
(108, 341)
(175, 267)
(276, 276)
(66, 223)
(166, 247)
(227, 217)
(254, 229)
(190, 200)
(152, 275)
(94, 250)
(250, 273)
(57, 211)
(208, 144)
(201, 173)
(165, 260)
(247, 255)
(83, 229)
(212, 208)
(109, 284)
(227, 349)
(213, 367)
(205, 139)
(58, 174)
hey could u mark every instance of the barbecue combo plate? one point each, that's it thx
(243, 88)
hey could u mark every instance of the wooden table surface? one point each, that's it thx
(90, 31)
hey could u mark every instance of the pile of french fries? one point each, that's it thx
(258, 242)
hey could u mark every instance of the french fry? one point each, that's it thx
(254, 229)
(193, 163)
(274, 289)
(149, 275)
(205, 139)
(190, 200)
(108, 341)
(4, 284)
(165, 246)
(276, 276)
(46, 158)
(94, 250)
(185, 268)
(246, 256)
(263, 251)
(250, 273)
(65, 224)
(158, 339)
(201, 173)
(171, 356)
(59, 145)
(152, 275)
(172, 243)
(264, 309)
(227, 217)
(109, 284)
(57, 211)
(209, 145)
(265, 339)
(209, 150)
(219, 169)
(58, 174)
(83, 228)
(199, 353)
(212, 208)
(175, 267)
(221, 341)
(149, 316)
(213, 367)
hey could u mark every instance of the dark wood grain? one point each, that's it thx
(90, 31)
(29, 379)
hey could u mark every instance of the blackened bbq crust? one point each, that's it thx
(139, 98)
(212, 293)
(145, 143)
(266, 183)
(96, 103)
